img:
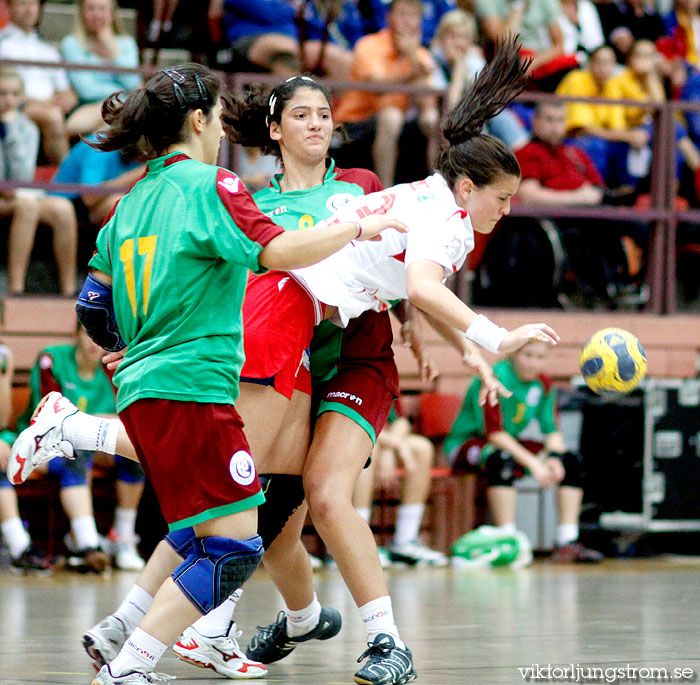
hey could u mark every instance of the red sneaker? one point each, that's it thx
(576, 552)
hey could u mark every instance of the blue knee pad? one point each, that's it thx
(71, 472)
(215, 567)
(128, 471)
(180, 540)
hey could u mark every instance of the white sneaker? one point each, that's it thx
(103, 641)
(416, 553)
(384, 557)
(316, 563)
(221, 654)
(105, 677)
(126, 555)
(43, 439)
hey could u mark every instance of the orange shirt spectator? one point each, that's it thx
(377, 59)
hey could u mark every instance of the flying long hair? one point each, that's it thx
(471, 152)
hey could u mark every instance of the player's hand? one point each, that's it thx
(113, 359)
(530, 332)
(374, 224)
(386, 468)
(556, 468)
(491, 387)
(411, 337)
(542, 474)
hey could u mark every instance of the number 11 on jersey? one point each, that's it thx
(147, 248)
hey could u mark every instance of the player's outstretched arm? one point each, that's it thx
(297, 249)
(427, 291)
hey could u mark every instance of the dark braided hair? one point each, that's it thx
(247, 117)
(478, 155)
(146, 121)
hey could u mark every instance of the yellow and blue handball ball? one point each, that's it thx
(613, 361)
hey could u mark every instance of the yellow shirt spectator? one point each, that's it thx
(580, 83)
(625, 86)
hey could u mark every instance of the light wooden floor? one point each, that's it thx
(463, 627)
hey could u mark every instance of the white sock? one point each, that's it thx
(507, 528)
(566, 533)
(365, 512)
(140, 652)
(125, 524)
(133, 608)
(15, 537)
(85, 532)
(304, 620)
(378, 617)
(218, 621)
(91, 433)
(408, 520)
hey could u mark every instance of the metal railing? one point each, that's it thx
(662, 214)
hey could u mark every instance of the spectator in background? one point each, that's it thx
(48, 94)
(392, 56)
(162, 19)
(433, 11)
(76, 371)
(588, 124)
(259, 30)
(398, 443)
(580, 27)
(19, 144)
(458, 61)
(26, 558)
(625, 21)
(642, 80)
(537, 22)
(111, 170)
(97, 39)
(605, 255)
(494, 438)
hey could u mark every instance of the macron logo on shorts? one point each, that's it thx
(242, 468)
(230, 183)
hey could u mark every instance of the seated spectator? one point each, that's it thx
(398, 443)
(258, 30)
(580, 27)
(97, 39)
(433, 11)
(76, 371)
(458, 62)
(559, 174)
(392, 56)
(625, 21)
(48, 94)
(19, 143)
(26, 558)
(537, 23)
(494, 439)
(110, 170)
(642, 80)
(588, 124)
(161, 19)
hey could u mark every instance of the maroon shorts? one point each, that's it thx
(196, 457)
(278, 321)
(358, 394)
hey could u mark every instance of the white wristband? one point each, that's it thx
(486, 333)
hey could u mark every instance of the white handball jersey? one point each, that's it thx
(372, 274)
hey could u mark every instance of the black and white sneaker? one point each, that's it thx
(387, 664)
(272, 643)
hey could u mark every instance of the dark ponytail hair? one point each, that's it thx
(247, 117)
(478, 155)
(146, 121)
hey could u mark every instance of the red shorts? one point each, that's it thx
(278, 321)
(196, 456)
